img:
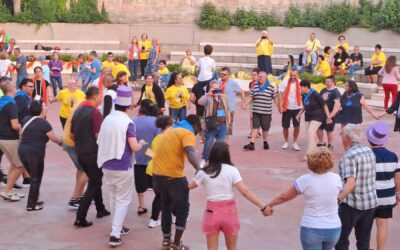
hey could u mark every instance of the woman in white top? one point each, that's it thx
(219, 178)
(320, 225)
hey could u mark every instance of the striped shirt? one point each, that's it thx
(359, 162)
(387, 165)
(262, 99)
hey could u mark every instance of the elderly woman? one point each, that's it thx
(154, 57)
(35, 134)
(320, 225)
(68, 97)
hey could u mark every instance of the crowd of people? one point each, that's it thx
(105, 143)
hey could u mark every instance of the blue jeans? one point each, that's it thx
(178, 114)
(133, 68)
(319, 239)
(56, 80)
(218, 134)
(19, 80)
(85, 84)
(314, 57)
(354, 68)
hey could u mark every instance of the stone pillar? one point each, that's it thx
(17, 6)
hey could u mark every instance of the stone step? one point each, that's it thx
(375, 104)
(378, 96)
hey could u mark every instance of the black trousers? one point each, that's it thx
(93, 191)
(35, 166)
(264, 63)
(143, 64)
(361, 220)
(174, 193)
(63, 121)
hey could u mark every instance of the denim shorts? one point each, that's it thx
(74, 157)
(318, 238)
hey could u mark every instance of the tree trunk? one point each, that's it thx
(17, 6)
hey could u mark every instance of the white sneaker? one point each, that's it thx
(173, 219)
(142, 78)
(20, 195)
(202, 163)
(154, 223)
(9, 196)
(285, 145)
(352, 78)
(295, 147)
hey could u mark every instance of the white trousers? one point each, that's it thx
(312, 128)
(120, 186)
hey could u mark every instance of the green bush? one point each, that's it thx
(244, 19)
(339, 17)
(5, 14)
(389, 16)
(266, 20)
(311, 17)
(83, 11)
(319, 79)
(66, 57)
(292, 17)
(37, 11)
(174, 68)
(367, 12)
(211, 18)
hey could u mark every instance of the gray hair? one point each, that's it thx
(7, 87)
(353, 131)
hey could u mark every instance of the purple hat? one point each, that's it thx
(124, 96)
(378, 133)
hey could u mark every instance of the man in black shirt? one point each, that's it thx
(199, 90)
(85, 127)
(331, 96)
(356, 62)
(9, 139)
(315, 110)
(23, 98)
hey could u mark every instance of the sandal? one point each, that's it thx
(166, 244)
(179, 247)
(141, 210)
(36, 208)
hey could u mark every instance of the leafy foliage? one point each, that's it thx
(211, 18)
(292, 17)
(339, 17)
(5, 14)
(244, 19)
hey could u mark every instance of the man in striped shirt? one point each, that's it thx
(261, 96)
(387, 179)
(358, 198)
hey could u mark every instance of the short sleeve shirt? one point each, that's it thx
(230, 90)
(380, 57)
(292, 98)
(7, 113)
(314, 107)
(34, 138)
(355, 58)
(206, 65)
(68, 100)
(262, 99)
(332, 95)
(96, 64)
(313, 45)
(22, 61)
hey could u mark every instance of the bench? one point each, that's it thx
(72, 51)
(45, 42)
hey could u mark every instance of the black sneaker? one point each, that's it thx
(125, 230)
(73, 204)
(27, 182)
(102, 213)
(266, 145)
(249, 146)
(330, 147)
(114, 241)
(321, 144)
(83, 223)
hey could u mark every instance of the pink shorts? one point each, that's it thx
(221, 216)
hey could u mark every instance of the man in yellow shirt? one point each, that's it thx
(109, 63)
(144, 48)
(323, 68)
(177, 144)
(377, 62)
(68, 97)
(120, 66)
(264, 50)
(343, 43)
(310, 54)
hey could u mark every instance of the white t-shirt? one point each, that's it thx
(220, 188)
(320, 192)
(4, 64)
(206, 65)
(292, 98)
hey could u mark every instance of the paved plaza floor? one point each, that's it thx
(267, 173)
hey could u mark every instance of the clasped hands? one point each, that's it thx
(267, 211)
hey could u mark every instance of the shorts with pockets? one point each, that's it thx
(10, 149)
(261, 120)
(221, 216)
(384, 212)
(290, 115)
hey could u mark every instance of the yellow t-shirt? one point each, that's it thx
(187, 64)
(107, 64)
(323, 67)
(170, 157)
(313, 45)
(177, 96)
(264, 48)
(148, 94)
(380, 57)
(147, 46)
(67, 128)
(118, 68)
(154, 148)
(163, 71)
(68, 100)
(345, 46)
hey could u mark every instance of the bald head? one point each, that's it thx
(108, 80)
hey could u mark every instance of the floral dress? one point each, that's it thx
(152, 68)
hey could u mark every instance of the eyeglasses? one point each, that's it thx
(29, 86)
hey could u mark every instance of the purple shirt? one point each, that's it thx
(58, 65)
(125, 162)
(146, 130)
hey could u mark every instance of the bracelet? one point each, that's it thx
(262, 209)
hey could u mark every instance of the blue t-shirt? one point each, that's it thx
(231, 90)
(96, 64)
(125, 162)
(22, 61)
(46, 72)
(146, 130)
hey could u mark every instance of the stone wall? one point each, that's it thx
(186, 11)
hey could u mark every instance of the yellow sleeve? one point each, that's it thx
(186, 92)
(168, 93)
(60, 96)
(127, 71)
(188, 139)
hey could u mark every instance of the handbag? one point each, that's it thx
(211, 122)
